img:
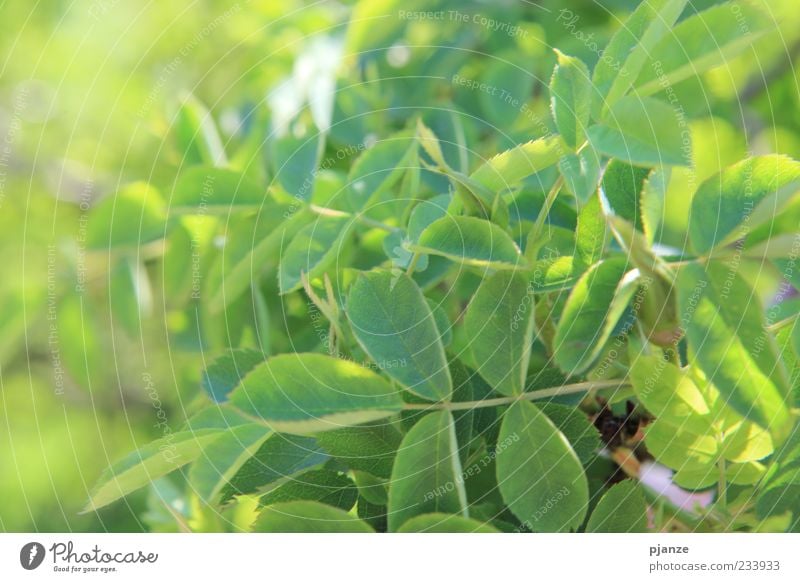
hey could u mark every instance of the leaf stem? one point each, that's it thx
(323, 211)
(549, 200)
(413, 264)
(778, 325)
(535, 395)
(722, 486)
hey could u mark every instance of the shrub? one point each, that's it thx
(426, 339)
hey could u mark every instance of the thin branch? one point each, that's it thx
(535, 395)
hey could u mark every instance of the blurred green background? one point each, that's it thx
(98, 351)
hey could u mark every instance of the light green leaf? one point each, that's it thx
(539, 475)
(312, 251)
(581, 173)
(394, 324)
(308, 393)
(500, 324)
(204, 189)
(593, 310)
(621, 191)
(132, 217)
(726, 206)
(726, 332)
(507, 169)
(669, 393)
(427, 477)
(149, 463)
(222, 459)
(445, 523)
(570, 98)
(642, 131)
(627, 51)
(701, 42)
(471, 241)
(226, 371)
(197, 135)
(621, 510)
(243, 258)
(308, 517)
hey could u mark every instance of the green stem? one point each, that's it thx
(783, 323)
(413, 264)
(323, 211)
(549, 200)
(535, 395)
(722, 485)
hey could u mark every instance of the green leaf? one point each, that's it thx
(701, 42)
(642, 131)
(322, 485)
(501, 108)
(426, 477)
(576, 427)
(445, 523)
(539, 475)
(500, 324)
(621, 510)
(295, 158)
(669, 393)
(308, 517)
(443, 325)
(203, 189)
(308, 393)
(224, 373)
(591, 313)
(394, 324)
(590, 235)
(507, 169)
(471, 241)
(223, 458)
(724, 207)
(312, 251)
(150, 462)
(581, 173)
(197, 135)
(368, 448)
(278, 460)
(570, 98)
(378, 169)
(132, 217)
(426, 213)
(249, 250)
(725, 330)
(621, 190)
(625, 55)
